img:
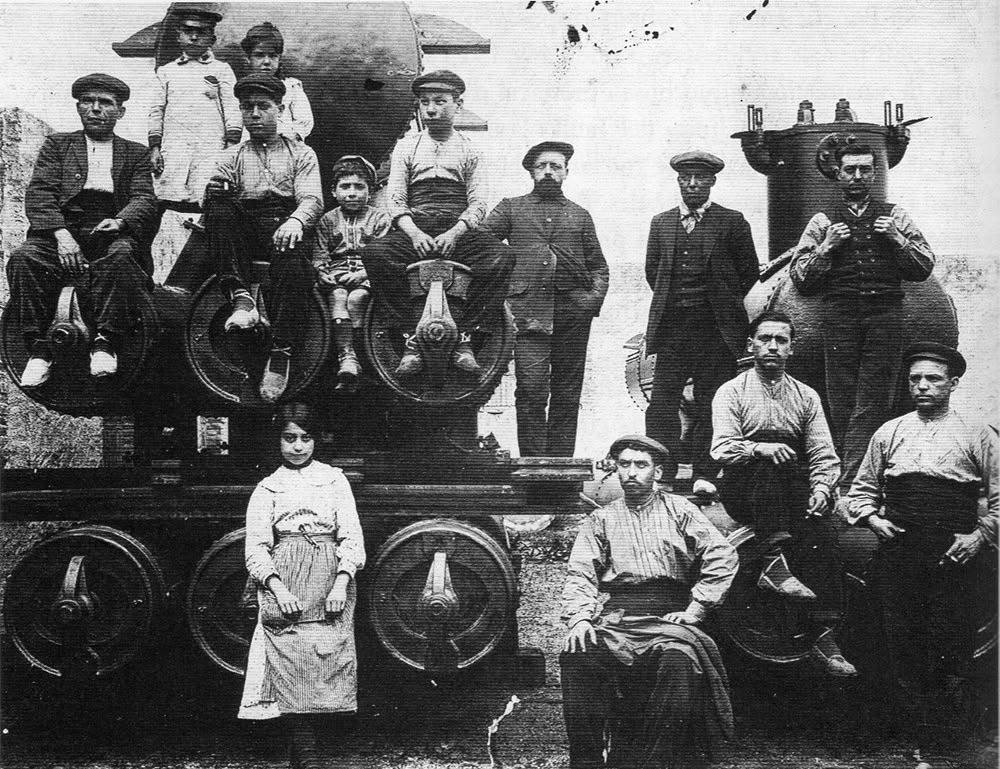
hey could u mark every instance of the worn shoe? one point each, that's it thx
(275, 379)
(36, 372)
(464, 359)
(827, 655)
(704, 488)
(244, 315)
(777, 577)
(348, 371)
(103, 361)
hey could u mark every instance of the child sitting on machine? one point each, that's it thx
(340, 236)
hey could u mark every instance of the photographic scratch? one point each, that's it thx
(753, 13)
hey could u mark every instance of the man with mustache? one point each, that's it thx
(639, 665)
(856, 256)
(918, 488)
(92, 215)
(771, 437)
(557, 288)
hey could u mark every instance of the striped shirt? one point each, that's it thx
(667, 538)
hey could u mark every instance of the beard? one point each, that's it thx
(547, 188)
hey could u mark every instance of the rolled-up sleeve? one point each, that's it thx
(587, 562)
(260, 535)
(351, 547)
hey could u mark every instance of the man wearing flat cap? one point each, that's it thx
(437, 198)
(261, 205)
(856, 257)
(557, 288)
(91, 215)
(642, 663)
(918, 488)
(700, 263)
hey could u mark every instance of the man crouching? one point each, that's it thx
(640, 669)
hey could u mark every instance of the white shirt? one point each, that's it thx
(99, 166)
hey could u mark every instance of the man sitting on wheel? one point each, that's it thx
(437, 198)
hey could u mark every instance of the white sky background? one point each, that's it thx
(628, 113)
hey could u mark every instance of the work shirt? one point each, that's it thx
(282, 168)
(750, 405)
(194, 113)
(557, 249)
(340, 238)
(419, 158)
(314, 499)
(951, 448)
(99, 158)
(811, 261)
(666, 538)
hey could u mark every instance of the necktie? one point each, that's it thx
(689, 220)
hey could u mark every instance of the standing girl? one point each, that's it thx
(264, 46)
(303, 545)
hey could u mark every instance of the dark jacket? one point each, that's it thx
(540, 241)
(60, 173)
(732, 271)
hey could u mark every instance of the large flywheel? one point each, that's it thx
(442, 595)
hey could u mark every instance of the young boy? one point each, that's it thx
(437, 194)
(340, 236)
(195, 116)
(264, 46)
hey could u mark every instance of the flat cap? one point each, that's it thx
(260, 81)
(697, 160)
(100, 81)
(262, 33)
(939, 352)
(561, 147)
(352, 162)
(438, 80)
(200, 15)
(659, 452)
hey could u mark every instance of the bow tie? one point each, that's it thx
(690, 219)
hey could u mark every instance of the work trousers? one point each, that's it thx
(549, 370)
(108, 290)
(694, 349)
(653, 709)
(862, 349)
(490, 260)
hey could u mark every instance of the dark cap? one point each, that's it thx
(560, 147)
(352, 162)
(201, 15)
(438, 80)
(101, 82)
(656, 449)
(696, 160)
(262, 33)
(260, 81)
(939, 352)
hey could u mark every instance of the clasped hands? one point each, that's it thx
(443, 244)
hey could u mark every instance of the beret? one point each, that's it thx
(260, 81)
(102, 82)
(697, 159)
(659, 452)
(538, 149)
(438, 80)
(196, 14)
(939, 352)
(356, 160)
(261, 33)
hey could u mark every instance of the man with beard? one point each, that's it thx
(857, 256)
(557, 288)
(700, 263)
(639, 667)
(771, 436)
(918, 489)
(91, 215)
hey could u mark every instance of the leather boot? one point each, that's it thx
(349, 369)
(412, 362)
(827, 655)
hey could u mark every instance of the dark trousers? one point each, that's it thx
(108, 290)
(238, 234)
(694, 349)
(490, 260)
(653, 708)
(862, 348)
(549, 370)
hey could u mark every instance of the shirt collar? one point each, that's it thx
(698, 212)
(205, 58)
(860, 209)
(534, 197)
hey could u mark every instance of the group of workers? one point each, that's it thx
(93, 206)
